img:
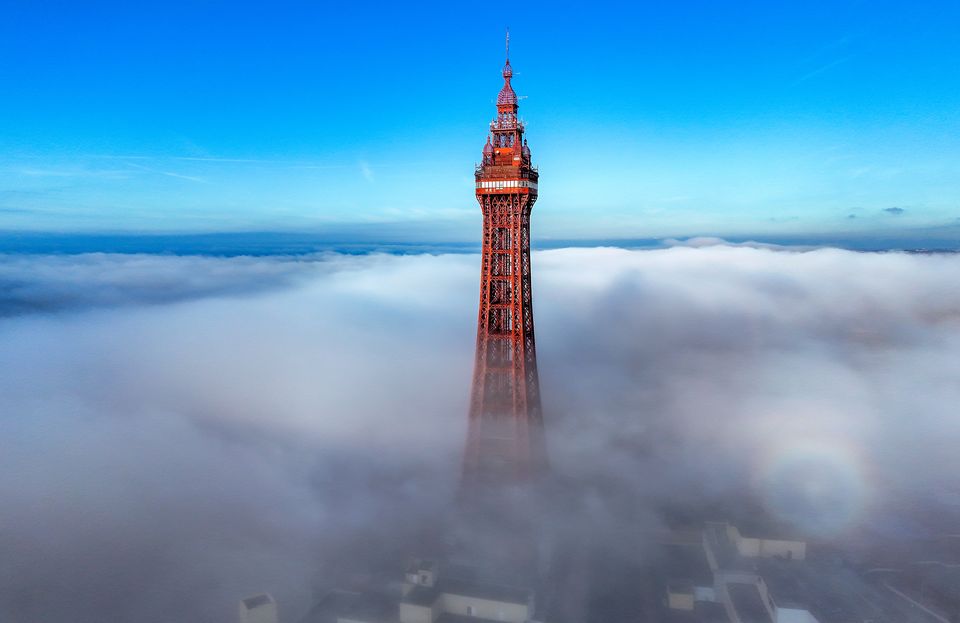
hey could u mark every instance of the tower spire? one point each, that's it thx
(505, 439)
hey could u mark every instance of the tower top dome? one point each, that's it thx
(507, 94)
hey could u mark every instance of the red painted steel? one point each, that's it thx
(505, 440)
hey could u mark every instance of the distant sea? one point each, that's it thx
(270, 243)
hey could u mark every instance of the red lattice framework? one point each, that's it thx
(505, 442)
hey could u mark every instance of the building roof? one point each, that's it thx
(748, 602)
(703, 612)
(424, 564)
(257, 600)
(834, 592)
(682, 562)
(460, 618)
(370, 607)
(427, 595)
(485, 590)
(718, 541)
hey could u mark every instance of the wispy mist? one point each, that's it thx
(180, 432)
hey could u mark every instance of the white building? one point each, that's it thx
(258, 609)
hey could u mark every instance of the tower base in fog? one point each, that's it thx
(499, 527)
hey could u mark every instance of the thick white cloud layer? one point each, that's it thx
(183, 431)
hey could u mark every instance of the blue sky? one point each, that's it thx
(646, 119)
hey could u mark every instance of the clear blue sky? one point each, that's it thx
(646, 119)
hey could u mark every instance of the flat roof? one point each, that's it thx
(485, 590)
(703, 612)
(372, 607)
(748, 602)
(257, 600)
(460, 618)
(480, 589)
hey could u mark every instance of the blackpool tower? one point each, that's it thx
(505, 440)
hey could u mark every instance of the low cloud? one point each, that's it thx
(31, 284)
(894, 210)
(701, 242)
(182, 432)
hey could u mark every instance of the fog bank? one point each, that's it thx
(183, 431)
